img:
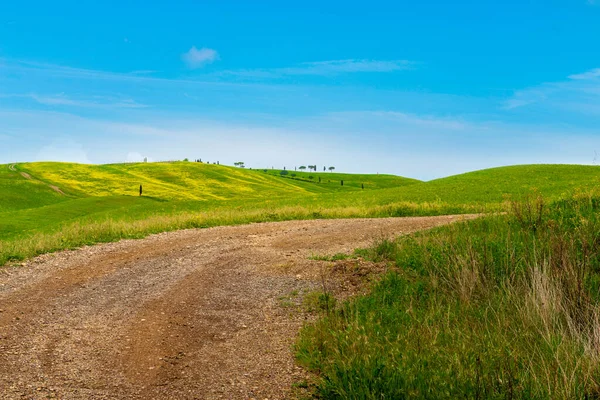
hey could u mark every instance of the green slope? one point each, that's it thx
(357, 181)
(186, 181)
(74, 204)
(17, 192)
(45, 197)
(493, 185)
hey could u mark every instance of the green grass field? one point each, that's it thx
(506, 306)
(502, 307)
(51, 206)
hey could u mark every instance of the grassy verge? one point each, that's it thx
(505, 306)
(131, 221)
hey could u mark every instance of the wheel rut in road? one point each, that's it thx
(193, 314)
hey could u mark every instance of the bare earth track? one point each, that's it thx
(184, 315)
(25, 175)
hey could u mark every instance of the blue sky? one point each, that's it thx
(422, 89)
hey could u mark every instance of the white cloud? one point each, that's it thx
(65, 150)
(325, 68)
(394, 118)
(143, 72)
(195, 58)
(349, 66)
(414, 145)
(27, 69)
(528, 96)
(578, 93)
(591, 74)
(94, 102)
(136, 157)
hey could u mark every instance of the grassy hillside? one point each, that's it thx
(503, 307)
(49, 206)
(176, 181)
(17, 192)
(492, 186)
(333, 181)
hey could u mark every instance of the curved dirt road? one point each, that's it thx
(192, 314)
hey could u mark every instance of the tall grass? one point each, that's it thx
(505, 306)
(90, 231)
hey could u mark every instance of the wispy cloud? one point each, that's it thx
(94, 102)
(196, 58)
(349, 66)
(26, 67)
(578, 92)
(63, 100)
(327, 68)
(199, 58)
(143, 72)
(528, 96)
(395, 118)
(416, 145)
(64, 149)
(591, 74)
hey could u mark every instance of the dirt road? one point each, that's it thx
(194, 314)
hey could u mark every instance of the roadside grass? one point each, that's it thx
(64, 226)
(505, 306)
(100, 202)
(335, 257)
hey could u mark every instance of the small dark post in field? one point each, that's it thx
(342, 183)
(363, 185)
(140, 190)
(319, 179)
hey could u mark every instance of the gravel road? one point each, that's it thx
(193, 314)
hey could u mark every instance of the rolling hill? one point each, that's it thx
(49, 206)
(39, 184)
